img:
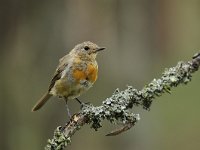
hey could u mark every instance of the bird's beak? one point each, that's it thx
(100, 49)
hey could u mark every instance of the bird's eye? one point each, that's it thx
(86, 48)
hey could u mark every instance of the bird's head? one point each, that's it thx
(87, 49)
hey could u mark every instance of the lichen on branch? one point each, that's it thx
(118, 108)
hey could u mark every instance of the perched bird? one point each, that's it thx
(75, 74)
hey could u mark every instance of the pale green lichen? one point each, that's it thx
(59, 142)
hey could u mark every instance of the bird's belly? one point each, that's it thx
(71, 90)
(61, 88)
(76, 91)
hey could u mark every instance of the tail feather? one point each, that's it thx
(42, 101)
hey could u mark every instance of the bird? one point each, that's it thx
(76, 73)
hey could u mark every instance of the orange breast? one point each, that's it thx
(79, 75)
(92, 72)
(89, 74)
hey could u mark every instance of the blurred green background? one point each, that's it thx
(142, 38)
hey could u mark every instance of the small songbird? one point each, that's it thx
(75, 74)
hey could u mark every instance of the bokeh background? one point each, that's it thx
(142, 38)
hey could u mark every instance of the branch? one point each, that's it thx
(117, 108)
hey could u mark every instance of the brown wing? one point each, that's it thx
(63, 62)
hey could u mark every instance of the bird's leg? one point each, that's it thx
(81, 103)
(68, 111)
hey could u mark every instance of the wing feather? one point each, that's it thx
(63, 63)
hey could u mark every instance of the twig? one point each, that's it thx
(117, 108)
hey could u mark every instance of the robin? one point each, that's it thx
(75, 74)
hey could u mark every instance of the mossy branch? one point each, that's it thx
(117, 108)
